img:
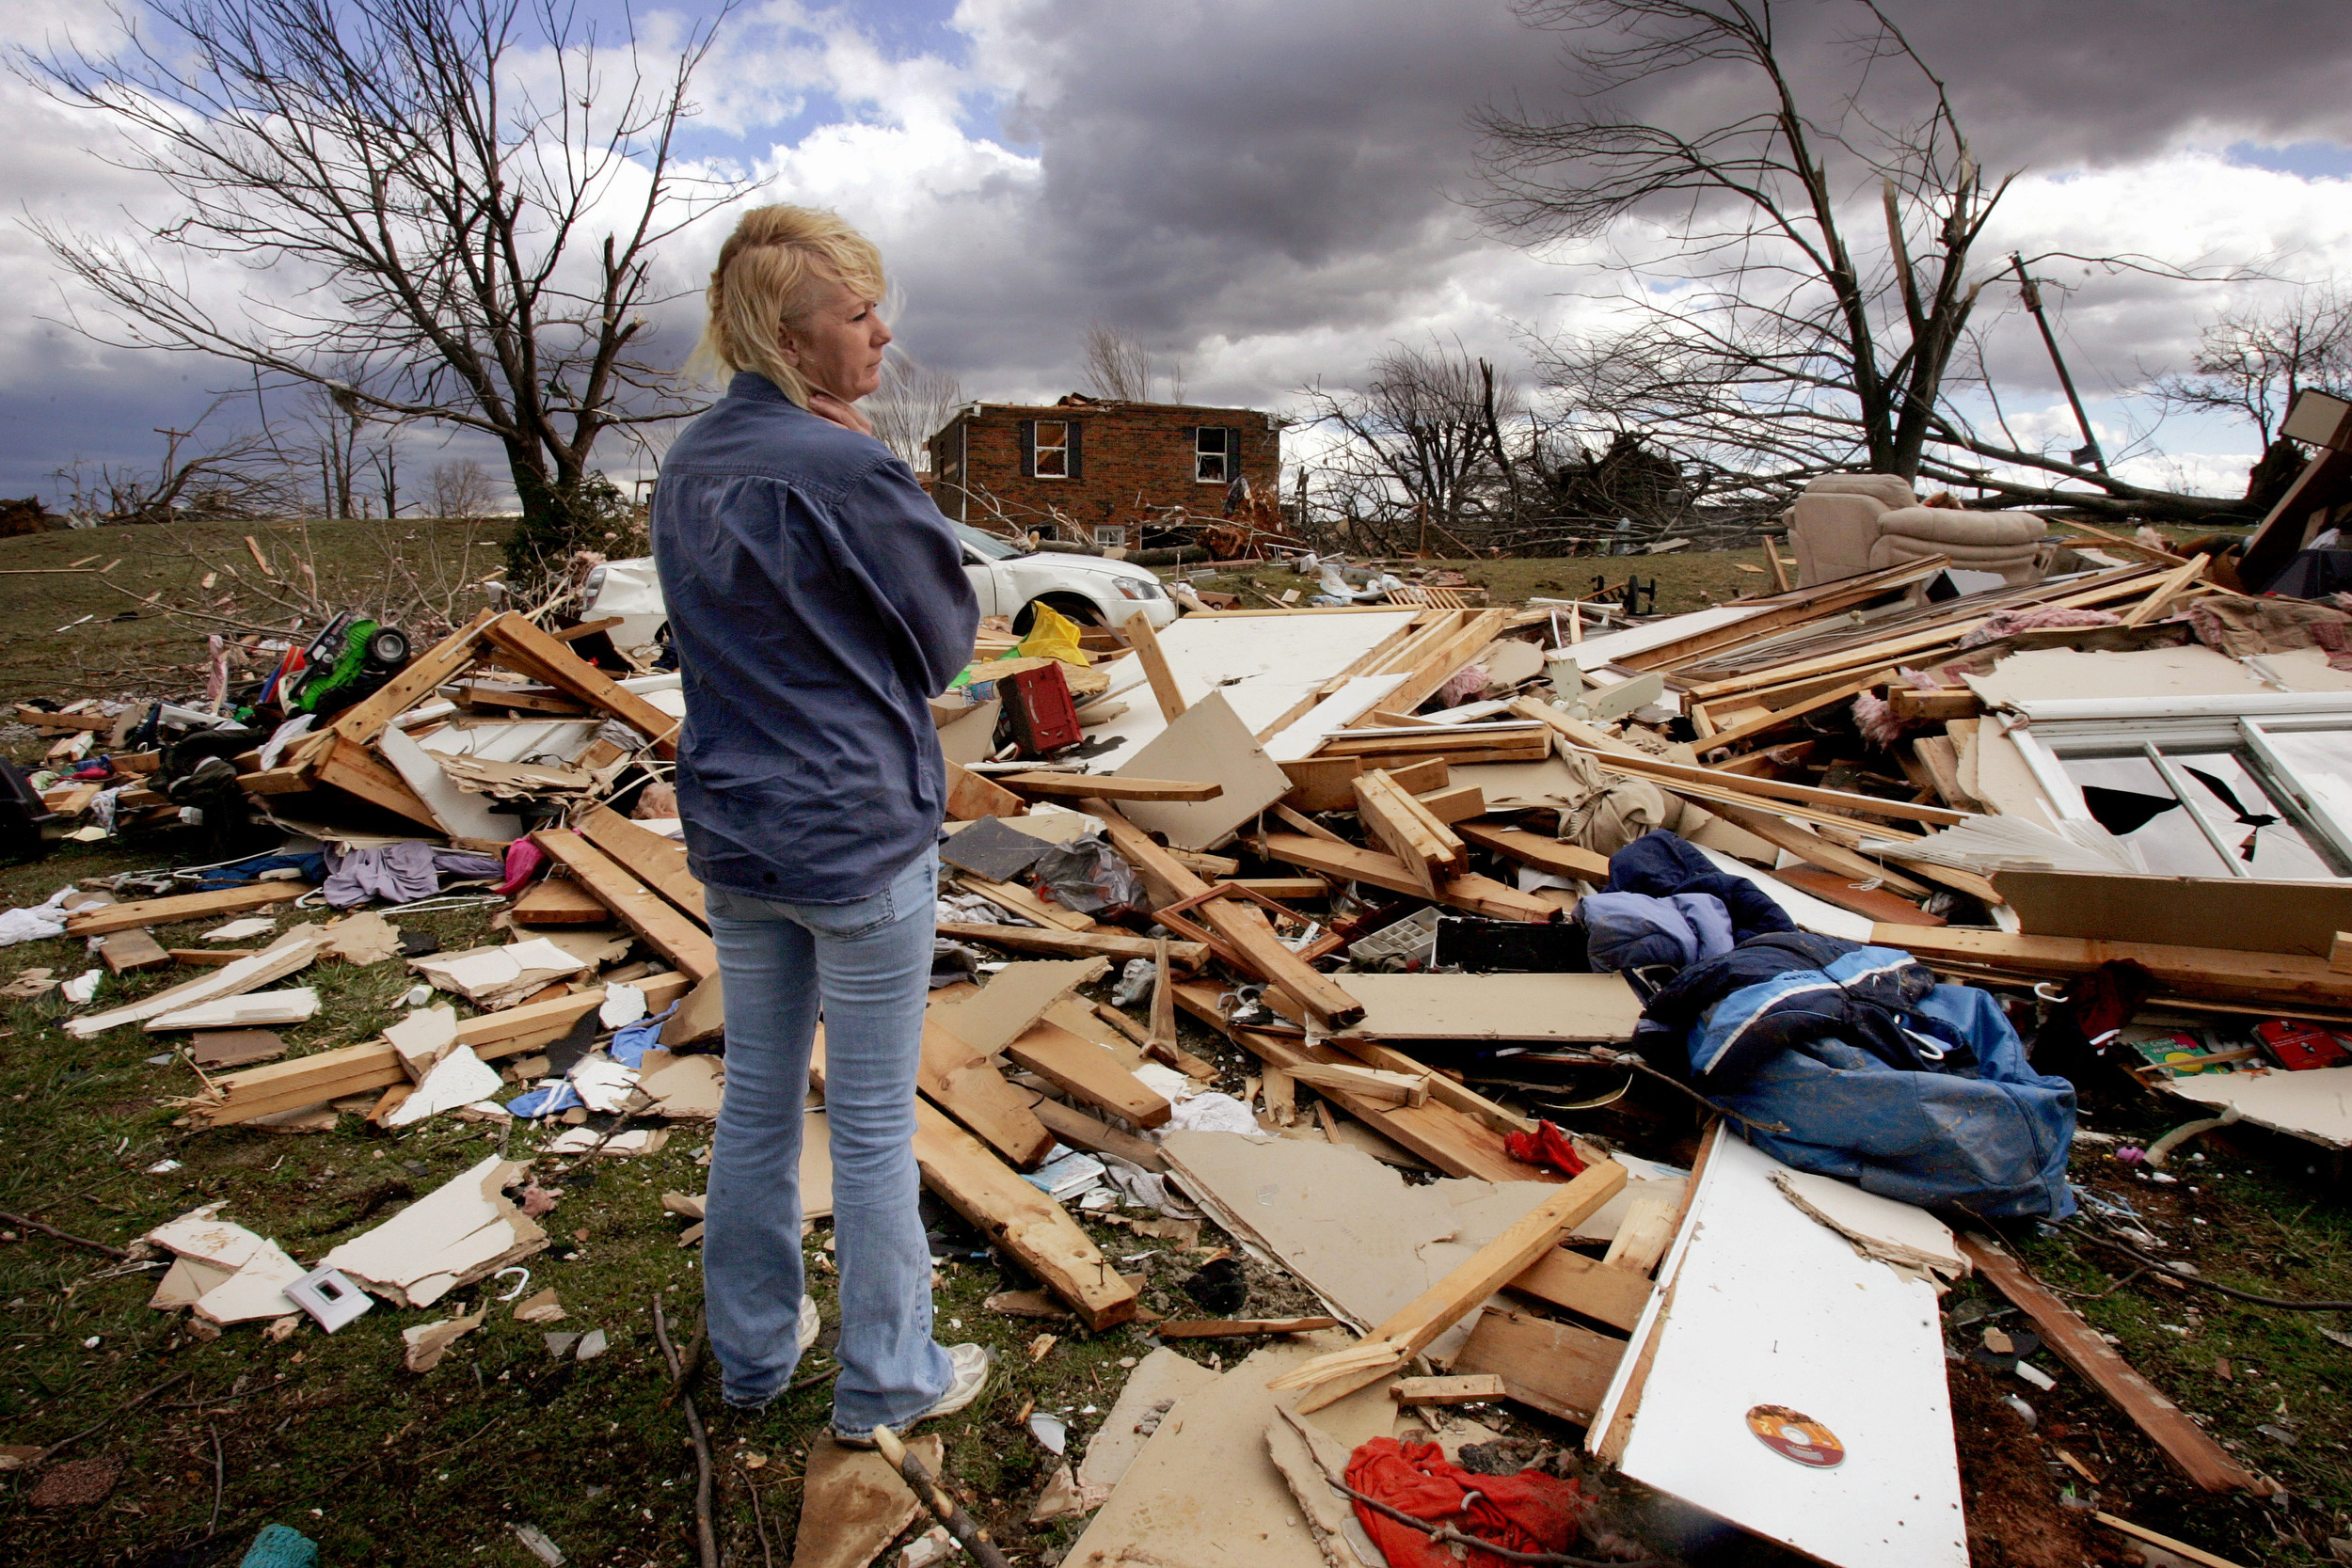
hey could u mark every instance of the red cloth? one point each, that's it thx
(523, 859)
(1530, 1511)
(1547, 1145)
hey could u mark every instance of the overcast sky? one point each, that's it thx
(1277, 193)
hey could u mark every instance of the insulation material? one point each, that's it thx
(1769, 1330)
(459, 1232)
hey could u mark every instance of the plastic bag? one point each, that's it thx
(1052, 635)
(1088, 876)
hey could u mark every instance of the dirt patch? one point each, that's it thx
(2016, 1519)
(76, 1483)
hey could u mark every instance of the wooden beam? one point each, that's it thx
(1816, 603)
(1427, 847)
(1016, 899)
(1586, 1286)
(1544, 854)
(126, 952)
(1108, 787)
(1440, 666)
(1450, 804)
(1478, 895)
(1467, 1388)
(643, 910)
(97, 922)
(659, 862)
(1080, 1131)
(1725, 739)
(559, 901)
(1242, 924)
(350, 767)
(2212, 972)
(2184, 1442)
(557, 665)
(1054, 942)
(1556, 1368)
(1812, 848)
(966, 1084)
(1084, 1070)
(1145, 643)
(971, 797)
(1389, 1088)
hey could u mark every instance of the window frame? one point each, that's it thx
(2156, 732)
(1038, 446)
(1117, 532)
(1227, 457)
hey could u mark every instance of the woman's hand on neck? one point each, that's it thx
(827, 406)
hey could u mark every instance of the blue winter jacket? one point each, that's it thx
(818, 601)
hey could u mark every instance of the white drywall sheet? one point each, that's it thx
(1762, 1305)
(1265, 665)
(2316, 1105)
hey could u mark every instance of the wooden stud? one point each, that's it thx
(1582, 1284)
(1389, 1088)
(1146, 643)
(101, 919)
(1544, 854)
(638, 907)
(1080, 1131)
(350, 767)
(424, 675)
(971, 797)
(1725, 739)
(1019, 900)
(542, 655)
(659, 862)
(2218, 973)
(1056, 944)
(1108, 787)
(1812, 848)
(558, 901)
(1404, 827)
(1478, 895)
(965, 1084)
(1452, 804)
(1467, 1388)
(1085, 1071)
(127, 951)
(1559, 1369)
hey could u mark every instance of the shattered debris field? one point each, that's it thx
(1850, 1073)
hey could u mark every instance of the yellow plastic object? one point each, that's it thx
(1052, 635)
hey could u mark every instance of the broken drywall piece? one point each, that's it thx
(460, 1078)
(297, 950)
(362, 938)
(623, 1005)
(186, 1281)
(422, 1037)
(222, 1048)
(1894, 1233)
(1059, 1499)
(237, 931)
(853, 1503)
(498, 977)
(202, 1234)
(1005, 1009)
(257, 1290)
(683, 1086)
(603, 1083)
(428, 1343)
(1206, 744)
(1495, 1007)
(1204, 1490)
(260, 1010)
(457, 1233)
(587, 1140)
(593, 946)
(542, 1308)
(1158, 1381)
(1311, 1461)
(2314, 1105)
(701, 1016)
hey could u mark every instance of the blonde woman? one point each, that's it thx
(817, 599)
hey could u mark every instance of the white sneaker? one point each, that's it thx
(973, 1365)
(810, 1324)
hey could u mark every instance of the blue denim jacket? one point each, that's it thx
(817, 599)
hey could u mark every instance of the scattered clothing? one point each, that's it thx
(36, 922)
(1549, 1145)
(1530, 1511)
(400, 873)
(310, 867)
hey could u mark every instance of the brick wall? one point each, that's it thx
(1128, 461)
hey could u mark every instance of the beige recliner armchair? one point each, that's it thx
(1848, 524)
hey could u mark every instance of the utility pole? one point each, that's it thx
(2031, 293)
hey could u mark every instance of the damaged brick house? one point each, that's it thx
(1100, 472)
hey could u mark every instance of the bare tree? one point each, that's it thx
(2252, 362)
(460, 487)
(911, 405)
(1799, 341)
(460, 196)
(234, 476)
(1118, 367)
(1421, 461)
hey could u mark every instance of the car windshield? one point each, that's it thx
(987, 546)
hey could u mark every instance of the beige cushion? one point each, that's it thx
(1939, 525)
(1887, 489)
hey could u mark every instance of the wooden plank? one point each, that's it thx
(1421, 778)
(967, 1086)
(1556, 1368)
(424, 675)
(2213, 973)
(1084, 1070)
(1106, 941)
(2165, 590)
(1725, 739)
(1436, 741)
(43, 719)
(1304, 824)
(2236, 912)
(1586, 1286)
(643, 910)
(1440, 666)
(126, 952)
(1280, 888)
(1108, 787)
(1234, 1328)
(659, 862)
(1914, 705)
(1454, 803)
(1465, 1388)
(1544, 854)
(1145, 643)
(1875, 902)
(1413, 1327)
(557, 901)
(1389, 1088)
(1766, 791)
(971, 797)
(522, 699)
(1243, 926)
(1427, 847)
(186, 906)
(1478, 895)
(1080, 1131)
(2178, 1548)
(552, 662)
(991, 1017)
(1322, 783)
(2184, 1442)
(350, 767)
(1816, 603)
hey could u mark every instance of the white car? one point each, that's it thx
(1008, 581)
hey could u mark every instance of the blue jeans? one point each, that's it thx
(868, 964)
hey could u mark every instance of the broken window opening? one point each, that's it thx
(1053, 449)
(1212, 455)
